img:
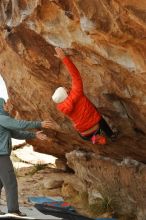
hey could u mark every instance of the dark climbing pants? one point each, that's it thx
(103, 125)
(9, 182)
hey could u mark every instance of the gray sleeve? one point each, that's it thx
(13, 124)
(21, 135)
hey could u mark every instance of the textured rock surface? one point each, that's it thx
(123, 186)
(105, 39)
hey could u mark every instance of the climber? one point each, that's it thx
(12, 128)
(86, 119)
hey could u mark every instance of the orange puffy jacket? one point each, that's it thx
(77, 106)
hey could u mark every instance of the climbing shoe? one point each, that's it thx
(18, 213)
(98, 139)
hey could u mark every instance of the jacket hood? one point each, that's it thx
(2, 111)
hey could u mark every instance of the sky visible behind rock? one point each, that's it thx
(3, 89)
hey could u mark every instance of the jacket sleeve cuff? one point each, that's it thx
(33, 135)
(65, 60)
(38, 124)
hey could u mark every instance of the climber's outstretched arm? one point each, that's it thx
(77, 85)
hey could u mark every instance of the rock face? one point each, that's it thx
(107, 42)
(122, 188)
(105, 39)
